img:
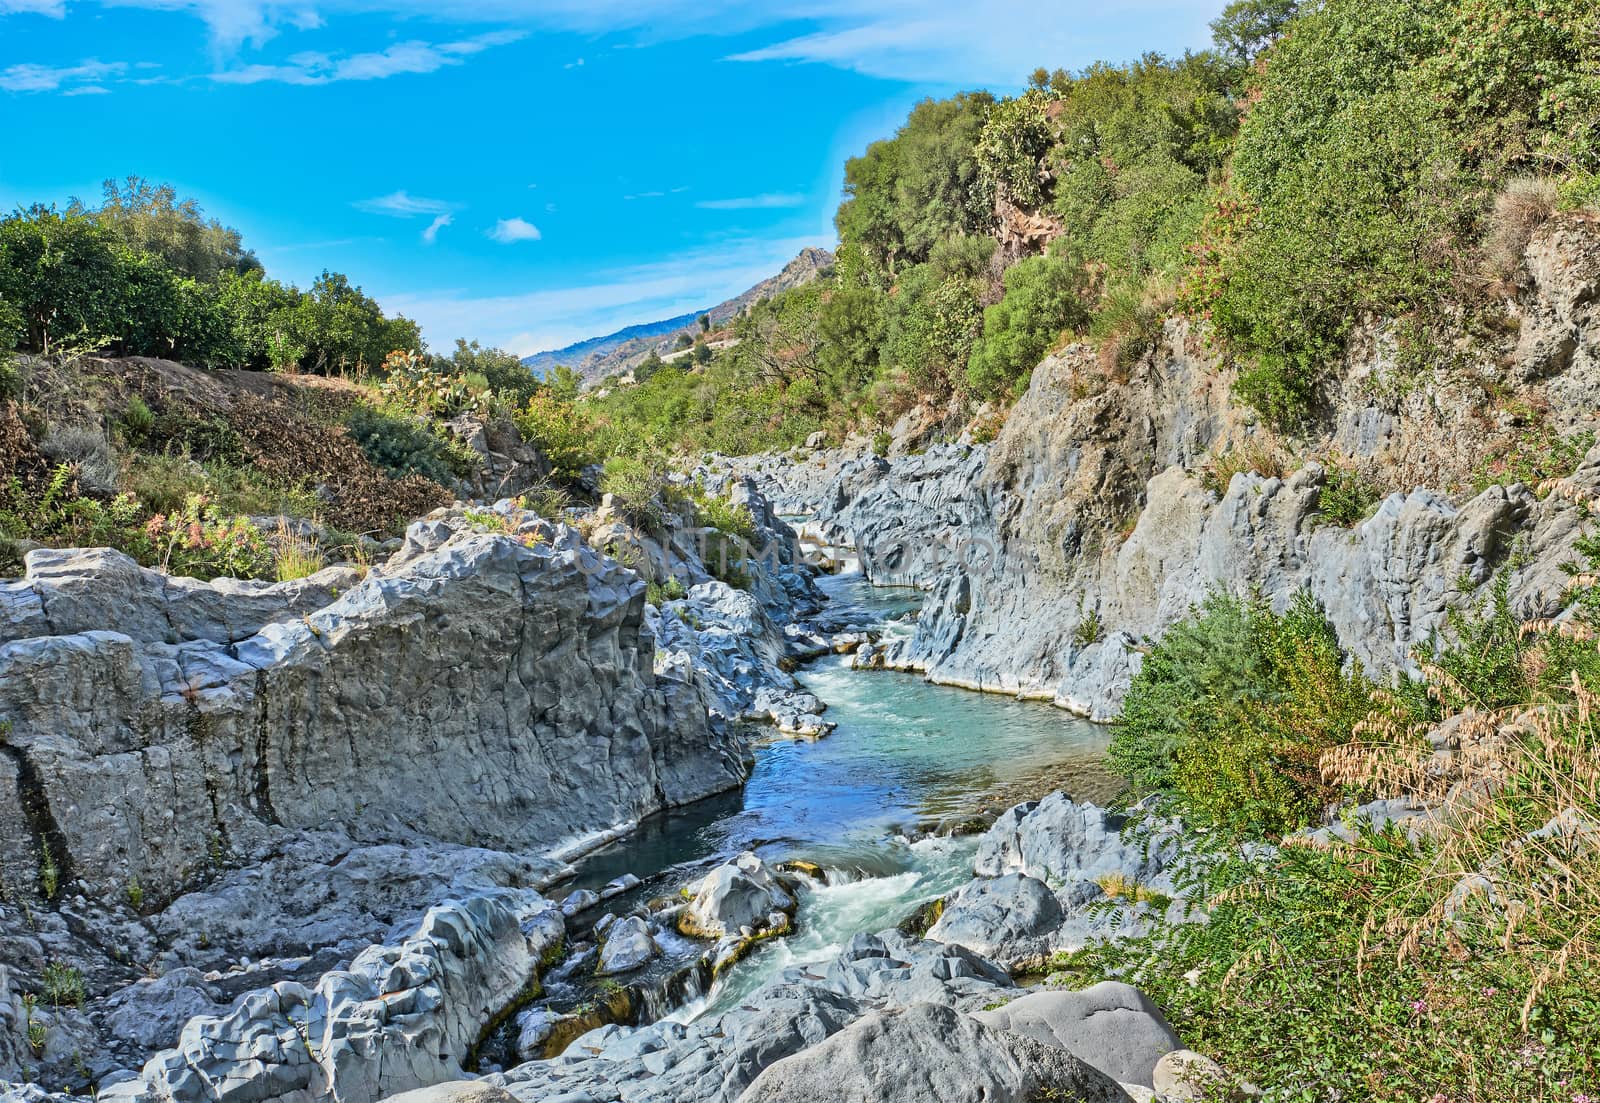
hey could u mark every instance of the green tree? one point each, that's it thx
(505, 372)
(150, 218)
(60, 272)
(1246, 27)
(908, 192)
(1044, 297)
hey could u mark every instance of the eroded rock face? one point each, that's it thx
(508, 687)
(261, 779)
(400, 1017)
(1088, 528)
(1111, 1026)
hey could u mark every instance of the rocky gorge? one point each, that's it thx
(317, 839)
(1112, 502)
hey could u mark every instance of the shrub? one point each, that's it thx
(560, 430)
(1043, 299)
(197, 541)
(1522, 207)
(1461, 963)
(1347, 496)
(137, 418)
(58, 515)
(412, 386)
(295, 555)
(1256, 457)
(63, 984)
(86, 450)
(639, 492)
(1230, 710)
(658, 593)
(400, 445)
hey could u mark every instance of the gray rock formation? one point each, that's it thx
(401, 1017)
(1058, 840)
(715, 1059)
(736, 898)
(927, 1051)
(627, 946)
(1110, 1026)
(1086, 529)
(263, 778)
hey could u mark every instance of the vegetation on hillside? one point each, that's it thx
(1458, 962)
(145, 274)
(1326, 162)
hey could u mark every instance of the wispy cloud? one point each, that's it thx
(765, 202)
(945, 42)
(402, 204)
(29, 77)
(431, 234)
(537, 320)
(311, 68)
(55, 9)
(508, 231)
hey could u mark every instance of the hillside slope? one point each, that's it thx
(599, 357)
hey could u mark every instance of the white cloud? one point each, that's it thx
(311, 68)
(88, 90)
(402, 204)
(936, 41)
(55, 9)
(533, 321)
(431, 234)
(508, 231)
(29, 77)
(765, 202)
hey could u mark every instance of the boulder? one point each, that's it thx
(1009, 919)
(628, 946)
(456, 1091)
(736, 898)
(926, 1052)
(1184, 1076)
(1110, 1026)
(1059, 840)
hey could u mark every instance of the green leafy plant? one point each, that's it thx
(1347, 496)
(1231, 709)
(63, 984)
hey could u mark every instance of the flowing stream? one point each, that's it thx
(907, 756)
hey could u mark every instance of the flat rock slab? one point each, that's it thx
(456, 1091)
(1110, 1026)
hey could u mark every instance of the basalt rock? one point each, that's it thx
(260, 779)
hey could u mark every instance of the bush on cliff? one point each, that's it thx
(1459, 961)
(1378, 134)
(1231, 709)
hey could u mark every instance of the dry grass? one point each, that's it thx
(1260, 456)
(1522, 207)
(1513, 850)
(296, 555)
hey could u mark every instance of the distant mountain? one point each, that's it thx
(600, 357)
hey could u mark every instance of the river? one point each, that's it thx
(906, 756)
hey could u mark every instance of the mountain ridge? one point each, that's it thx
(596, 358)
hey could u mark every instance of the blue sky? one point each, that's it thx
(526, 173)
